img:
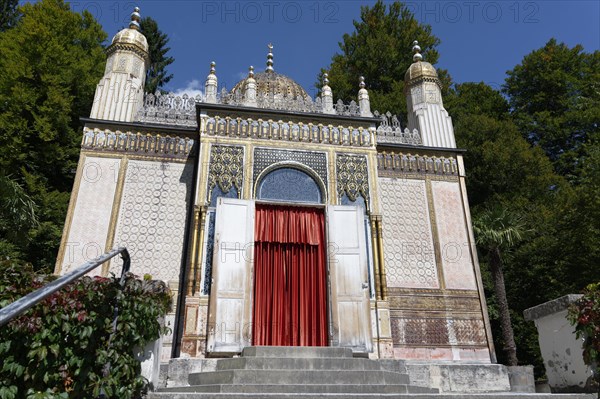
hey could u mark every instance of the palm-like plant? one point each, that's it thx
(497, 230)
(18, 211)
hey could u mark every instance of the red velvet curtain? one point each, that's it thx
(290, 281)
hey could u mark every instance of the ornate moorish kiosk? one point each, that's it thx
(282, 220)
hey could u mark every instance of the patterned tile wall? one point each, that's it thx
(407, 238)
(153, 215)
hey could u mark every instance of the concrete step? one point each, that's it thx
(253, 363)
(297, 377)
(192, 395)
(296, 351)
(319, 389)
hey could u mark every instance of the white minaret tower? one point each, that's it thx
(120, 93)
(426, 112)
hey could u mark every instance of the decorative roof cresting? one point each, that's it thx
(266, 90)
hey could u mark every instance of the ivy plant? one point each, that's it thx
(64, 347)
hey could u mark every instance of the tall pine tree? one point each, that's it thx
(156, 75)
(380, 49)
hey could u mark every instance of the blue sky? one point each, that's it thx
(480, 40)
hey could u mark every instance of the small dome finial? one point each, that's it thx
(135, 19)
(417, 50)
(212, 67)
(270, 58)
(362, 82)
(326, 79)
(251, 72)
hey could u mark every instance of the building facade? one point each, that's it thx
(278, 219)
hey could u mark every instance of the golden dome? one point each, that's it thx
(132, 35)
(420, 69)
(271, 83)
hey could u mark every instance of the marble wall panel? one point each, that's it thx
(91, 215)
(407, 238)
(452, 230)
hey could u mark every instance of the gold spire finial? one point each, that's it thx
(135, 19)
(417, 50)
(270, 58)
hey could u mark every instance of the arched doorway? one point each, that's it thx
(290, 269)
(233, 306)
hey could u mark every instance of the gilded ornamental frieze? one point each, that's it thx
(157, 145)
(237, 127)
(442, 302)
(392, 163)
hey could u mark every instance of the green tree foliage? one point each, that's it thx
(156, 75)
(9, 14)
(60, 347)
(566, 257)
(501, 165)
(554, 96)
(51, 61)
(380, 49)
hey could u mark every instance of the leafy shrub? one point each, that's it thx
(584, 314)
(61, 347)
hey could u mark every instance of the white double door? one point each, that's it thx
(230, 307)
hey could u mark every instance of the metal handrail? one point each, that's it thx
(22, 304)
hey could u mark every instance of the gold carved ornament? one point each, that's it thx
(352, 177)
(226, 169)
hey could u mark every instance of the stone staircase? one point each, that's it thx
(308, 372)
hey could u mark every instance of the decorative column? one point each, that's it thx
(196, 304)
(327, 96)
(210, 87)
(250, 89)
(363, 99)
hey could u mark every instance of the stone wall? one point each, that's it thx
(435, 307)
